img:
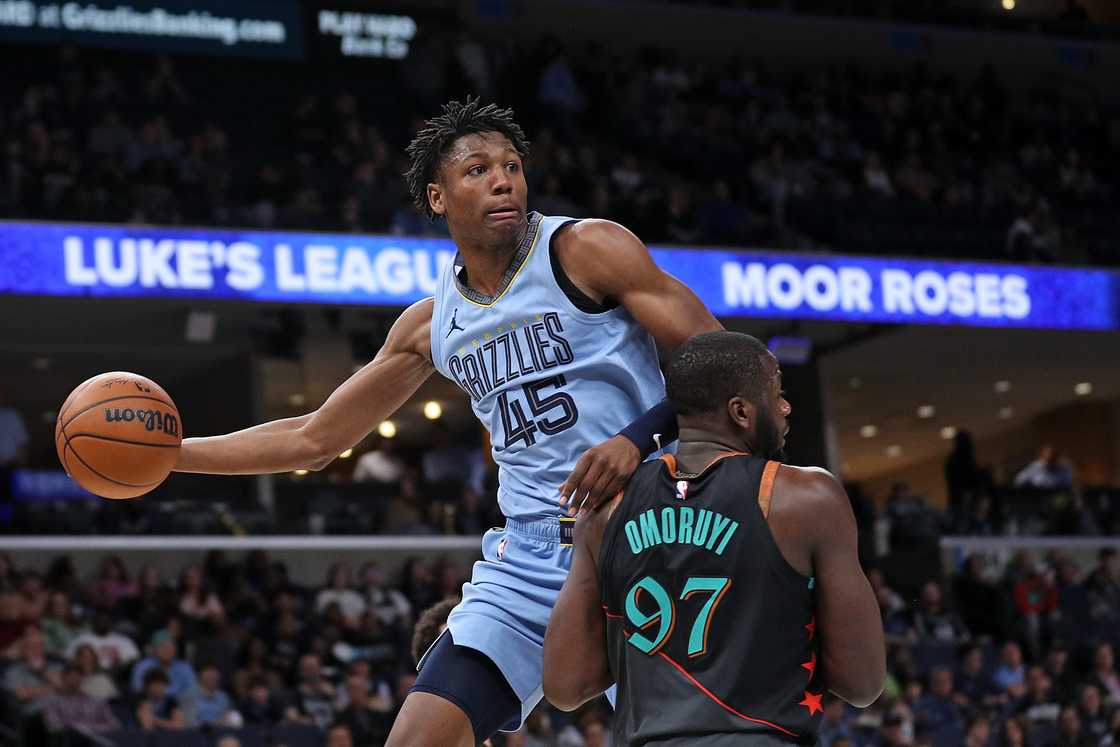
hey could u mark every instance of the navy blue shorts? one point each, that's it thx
(470, 680)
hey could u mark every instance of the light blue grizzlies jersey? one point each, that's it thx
(547, 380)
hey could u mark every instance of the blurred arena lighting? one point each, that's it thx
(300, 472)
(1008, 4)
(869, 431)
(1003, 386)
(387, 429)
(794, 351)
(432, 410)
(926, 411)
(855, 382)
(297, 400)
(201, 326)
(41, 364)
(1083, 389)
(346, 454)
(1006, 413)
(948, 432)
(894, 450)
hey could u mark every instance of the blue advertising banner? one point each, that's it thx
(115, 261)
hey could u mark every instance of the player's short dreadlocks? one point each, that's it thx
(459, 118)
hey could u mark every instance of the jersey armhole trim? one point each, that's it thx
(766, 487)
(575, 296)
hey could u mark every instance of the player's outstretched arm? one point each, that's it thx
(853, 653)
(575, 644)
(312, 441)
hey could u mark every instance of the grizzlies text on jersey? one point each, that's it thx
(546, 379)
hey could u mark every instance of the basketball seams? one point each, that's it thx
(106, 477)
(73, 398)
(100, 437)
(87, 408)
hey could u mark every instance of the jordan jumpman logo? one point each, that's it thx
(454, 324)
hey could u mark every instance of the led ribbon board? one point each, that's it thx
(129, 261)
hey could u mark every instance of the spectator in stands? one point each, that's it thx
(973, 683)
(286, 643)
(338, 592)
(1012, 734)
(113, 649)
(32, 678)
(71, 708)
(1104, 673)
(314, 696)
(198, 602)
(1038, 703)
(834, 724)
(32, 596)
(391, 606)
(963, 476)
(979, 599)
(112, 584)
(937, 714)
(932, 621)
(979, 732)
(261, 707)
(379, 465)
(8, 575)
(1071, 732)
(1103, 585)
(416, 583)
(208, 704)
(1064, 679)
(1036, 599)
(180, 675)
(151, 605)
(1009, 674)
(95, 683)
(1046, 472)
(339, 736)
(157, 708)
(13, 447)
(1074, 602)
(1094, 715)
(229, 740)
(61, 625)
(368, 720)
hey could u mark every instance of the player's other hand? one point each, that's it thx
(599, 474)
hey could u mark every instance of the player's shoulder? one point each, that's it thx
(413, 328)
(812, 490)
(595, 235)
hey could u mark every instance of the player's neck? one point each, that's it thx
(486, 265)
(698, 447)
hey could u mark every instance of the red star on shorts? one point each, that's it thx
(812, 702)
(811, 665)
(812, 626)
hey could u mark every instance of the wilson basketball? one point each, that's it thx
(118, 435)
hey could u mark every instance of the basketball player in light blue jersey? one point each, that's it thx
(549, 325)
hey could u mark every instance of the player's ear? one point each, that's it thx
(435, 199)
(741, 412)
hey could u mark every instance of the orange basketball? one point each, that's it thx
(118, 435)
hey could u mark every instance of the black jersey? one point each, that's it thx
(710, 631)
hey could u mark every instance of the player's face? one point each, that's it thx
(481, 189)
(772, 419)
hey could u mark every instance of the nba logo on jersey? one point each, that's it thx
(682, 490)
(502, 548)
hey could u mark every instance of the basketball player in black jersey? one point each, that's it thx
(721, 590)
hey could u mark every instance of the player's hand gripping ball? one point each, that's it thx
(118, 435)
